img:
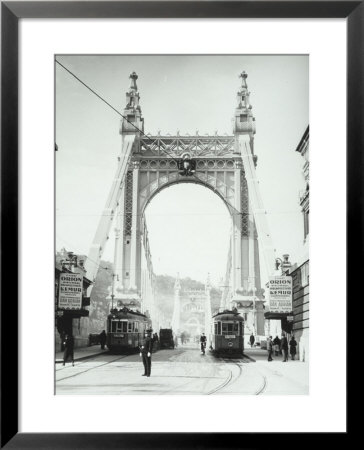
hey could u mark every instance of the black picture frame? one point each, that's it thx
(11, 12)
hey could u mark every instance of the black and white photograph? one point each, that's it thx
(182, 224)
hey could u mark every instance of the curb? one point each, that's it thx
(249, 357)
(81, 358)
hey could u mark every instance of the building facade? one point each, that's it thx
(300, 270)
(71, 321)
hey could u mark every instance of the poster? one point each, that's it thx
(280, 294)
(70, 291)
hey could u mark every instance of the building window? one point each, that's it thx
(305, 274)
(306, 218)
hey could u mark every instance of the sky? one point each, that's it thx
(188, 224)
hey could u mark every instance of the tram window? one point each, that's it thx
(136, 327)
(227, 328)
(216, 328)
(236, 328)
(113, 326)
(130, 327)
(219, 328)
(121, 327)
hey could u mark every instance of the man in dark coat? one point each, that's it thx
(277, 344)
(203, 342)
(284, 347)
(102, 339)
(146, 353)
(155, 341)
(292, 347)
(68, 349)
(252, 340)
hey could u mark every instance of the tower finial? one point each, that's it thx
(132, 109)
(177, 283)
(244, 122)
(208, 282)
(133, 77)
(243, 77)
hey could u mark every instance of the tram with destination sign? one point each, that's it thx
(228, 333)
(126, 330)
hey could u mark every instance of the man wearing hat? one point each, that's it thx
(146, 352)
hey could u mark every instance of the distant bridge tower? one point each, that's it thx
(177, 305)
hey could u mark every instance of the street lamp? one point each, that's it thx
(251, 286)
(285, 264)
(112, 288)
(255, 312)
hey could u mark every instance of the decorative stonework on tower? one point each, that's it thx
(247, 295)
(244, 121)
(132, 111)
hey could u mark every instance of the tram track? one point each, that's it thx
(263, 387)
(229, 380)
(91, 368)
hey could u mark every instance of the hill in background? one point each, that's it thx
(164, 295)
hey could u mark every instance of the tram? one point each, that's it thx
(126, 329)
(228, 333)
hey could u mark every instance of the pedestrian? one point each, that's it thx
(252, 340)
(102, 339)
(146, 353)
(292, 347)
(270, 348)
(203, 343)
(68, 349)
(276, 344)
(155, 341)
(176, 341)
(284, 347)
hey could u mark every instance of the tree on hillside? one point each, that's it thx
(98, 302)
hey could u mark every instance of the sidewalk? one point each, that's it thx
(82, 353)
(296, 371)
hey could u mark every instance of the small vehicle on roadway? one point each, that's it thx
(228, 333)
(203, 347)
(166, 338)
(126, 330)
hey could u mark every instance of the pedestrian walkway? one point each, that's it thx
(82, 353)
(295, 370)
